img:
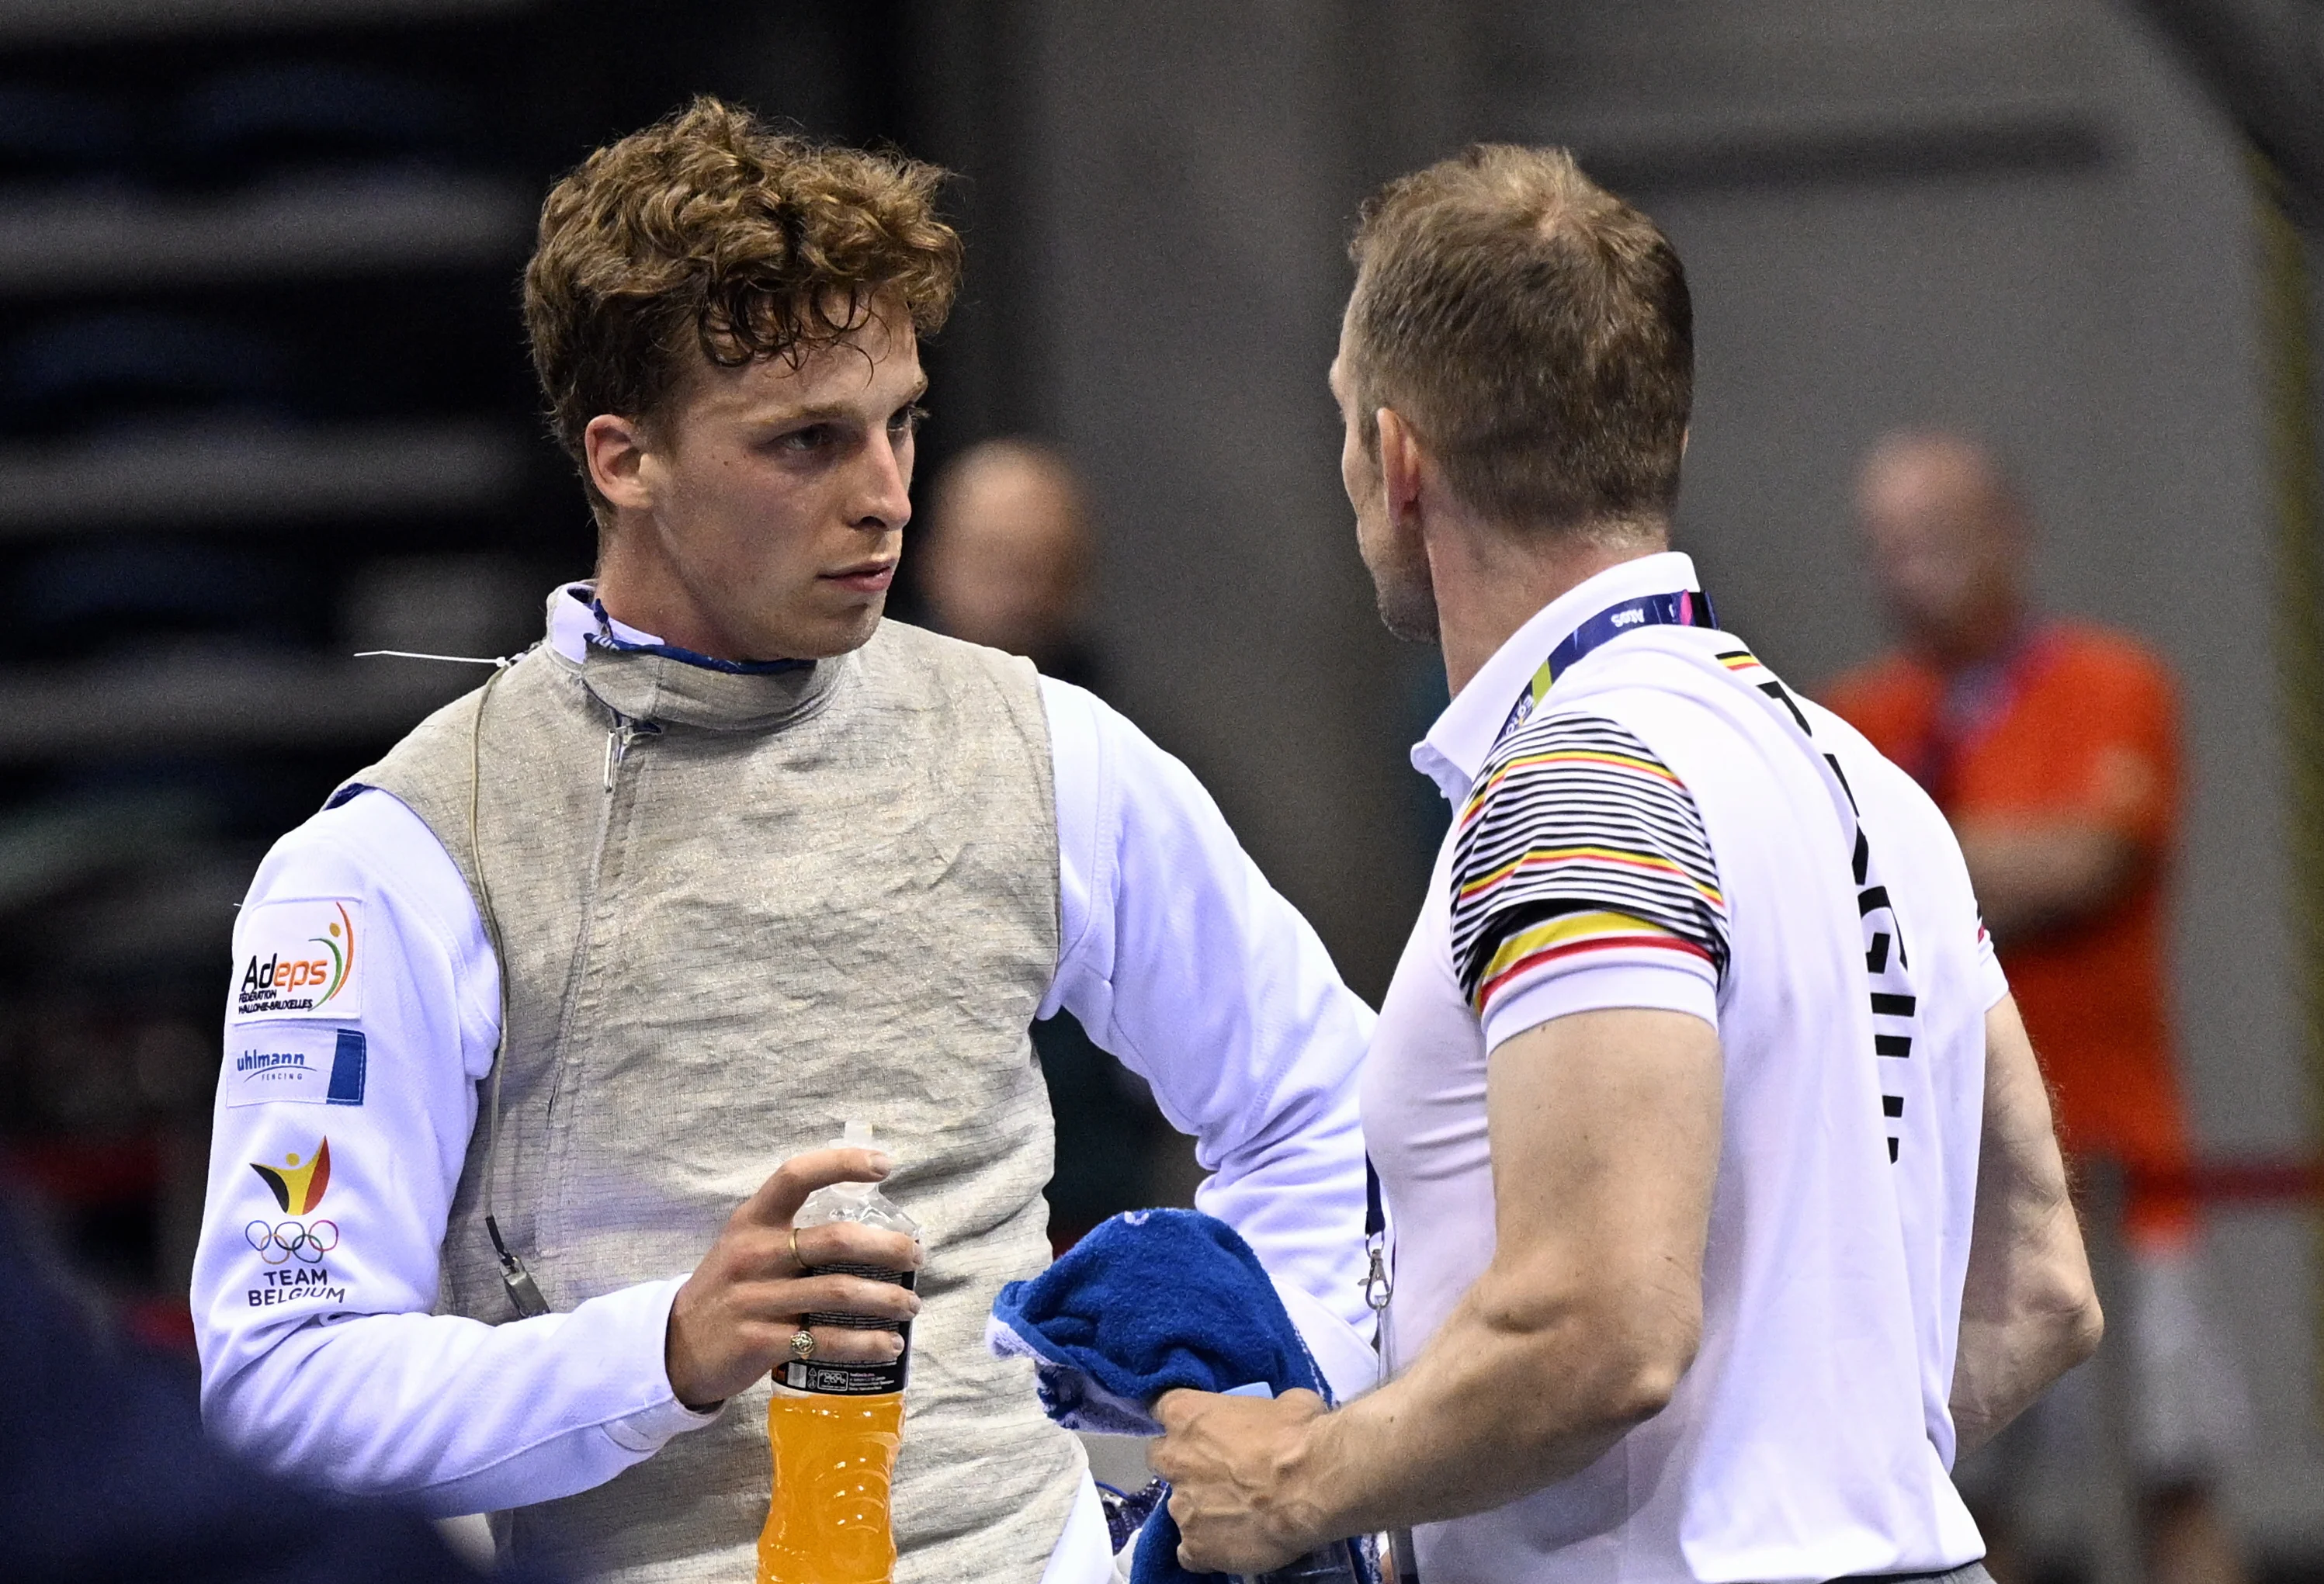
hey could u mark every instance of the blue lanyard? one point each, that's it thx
(605, 637)
(1686, 608)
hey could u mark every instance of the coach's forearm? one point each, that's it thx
(1591, 1308)
(1520, 1389)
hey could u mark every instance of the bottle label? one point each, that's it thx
(847, 1380)
(856, 1380)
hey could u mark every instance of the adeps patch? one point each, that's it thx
(300, 959)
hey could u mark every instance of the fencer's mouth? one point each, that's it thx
(864, 576)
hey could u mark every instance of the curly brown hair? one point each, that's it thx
(711, 229)
(1535, 330)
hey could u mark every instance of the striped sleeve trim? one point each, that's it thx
(1527, 951)
(1578, 847)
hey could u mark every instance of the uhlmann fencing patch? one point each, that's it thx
(312, 1066)
(300, 959)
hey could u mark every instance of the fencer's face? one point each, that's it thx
(1394, 554)
(774, 497)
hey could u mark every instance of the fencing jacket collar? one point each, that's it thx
(642, 679)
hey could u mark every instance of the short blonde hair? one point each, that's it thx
(1534, 328)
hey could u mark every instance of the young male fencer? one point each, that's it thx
(550, 1010)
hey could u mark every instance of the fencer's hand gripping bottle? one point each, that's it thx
(835, 1428)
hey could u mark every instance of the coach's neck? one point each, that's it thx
(1492, 577)
(1490, 584)
(1487, 573)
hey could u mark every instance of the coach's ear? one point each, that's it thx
(1402, 463)
(616, 449)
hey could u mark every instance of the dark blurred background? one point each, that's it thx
(265, 402)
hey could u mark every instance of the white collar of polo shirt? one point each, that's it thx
(1456, 745)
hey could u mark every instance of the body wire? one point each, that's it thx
(524, 1291)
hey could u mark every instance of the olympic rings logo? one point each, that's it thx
(280, 1245)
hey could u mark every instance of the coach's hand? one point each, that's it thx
(1239, 1469)
(733, 1319)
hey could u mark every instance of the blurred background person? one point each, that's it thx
(105, 1477)
(1011, 558)
(2053, 746)
(1008, 561)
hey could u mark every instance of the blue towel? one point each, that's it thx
(1151, 1300)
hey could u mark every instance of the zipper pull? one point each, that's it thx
(617, 744)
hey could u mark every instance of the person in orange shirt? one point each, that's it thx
(2053, 746)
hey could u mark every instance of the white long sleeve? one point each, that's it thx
(1179, 958)
(326, 1364)
(319, 1359)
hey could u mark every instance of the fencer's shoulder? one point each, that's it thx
(899, 643)
(901, 656)
(366, 844)
(439, 752)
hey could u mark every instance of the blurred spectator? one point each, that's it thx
(1007, 563)
(105, 1475)
(2052, 747)
(1010, 558)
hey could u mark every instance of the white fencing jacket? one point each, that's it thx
(321, 1358)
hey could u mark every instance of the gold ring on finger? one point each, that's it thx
(802, 1344)
(795, 1253)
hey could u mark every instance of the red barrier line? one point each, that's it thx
(2283, 1181)
(85, 1171)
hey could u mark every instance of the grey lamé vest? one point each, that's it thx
(735, 910)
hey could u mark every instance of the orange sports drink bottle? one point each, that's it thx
(835, 1428)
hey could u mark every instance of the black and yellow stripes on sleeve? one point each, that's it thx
(1577, 841)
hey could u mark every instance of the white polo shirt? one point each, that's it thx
(1660, 826)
